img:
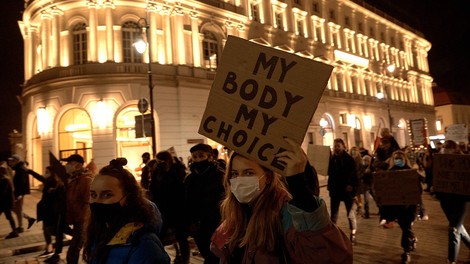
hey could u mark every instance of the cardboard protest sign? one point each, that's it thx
(398, 187)
(319, 157)
(451, 173)
(457, 132)
(259, 96)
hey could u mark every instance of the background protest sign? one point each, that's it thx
(319, 157)
(418, 132)
(259, 96)
(457, 132)
(397, 187)
(451, 173)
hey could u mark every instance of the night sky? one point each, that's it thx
(444, 23)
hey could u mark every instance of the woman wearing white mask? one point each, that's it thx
(265, 214)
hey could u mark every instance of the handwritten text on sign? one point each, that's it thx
(261, 95)
(398, 187)
(451, 173)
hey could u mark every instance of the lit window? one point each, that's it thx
(130, 34)
(210, 48)
(79, 44)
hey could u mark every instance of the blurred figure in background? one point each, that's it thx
(21, 188)
(51, 210)
(167, 191)
(342, 184)
(455, 207)
(6, 201)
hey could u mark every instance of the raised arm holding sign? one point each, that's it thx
(260, 96)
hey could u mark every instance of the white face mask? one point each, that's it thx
(245, 189)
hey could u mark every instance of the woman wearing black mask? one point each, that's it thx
(123, 225)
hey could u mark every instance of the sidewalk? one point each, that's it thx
(374, 243)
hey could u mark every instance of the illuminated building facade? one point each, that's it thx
(83, 77)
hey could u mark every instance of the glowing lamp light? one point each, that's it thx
(140, 46)
(391, 68)
(352, 120)
(367, 122)
(43, 120)
(438, 125)
(100, 114)
(323, 122)
(380, 95)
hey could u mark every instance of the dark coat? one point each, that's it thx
(51, 207)
(21, 179)
(204, 193)
(341, 173)
(6, 194)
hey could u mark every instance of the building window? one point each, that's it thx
(279, 20)
(382, 36)
(297, 2)
(346, 21)
(332, 14)
(315, 7)
(371, 32)
(360, 27)
(300, 27)
(343, 119)
(254, 11)
(130, 34)
(210, 49)
(79, 44)
(128, 144)
(75, 134)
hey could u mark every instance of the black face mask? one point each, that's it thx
(106, 212)
(200, 166)
(162, 166)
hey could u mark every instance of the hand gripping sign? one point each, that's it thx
(259, 96)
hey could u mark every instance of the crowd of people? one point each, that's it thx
(236, 210)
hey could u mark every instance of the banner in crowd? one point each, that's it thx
(319, 157)
(451, 173)
(260, 96)
(397, 187)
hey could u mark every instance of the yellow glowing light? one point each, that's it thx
(350, 58)
(43, 120)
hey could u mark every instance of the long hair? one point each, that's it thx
(137, 209)
(394, 155)
(262, 230)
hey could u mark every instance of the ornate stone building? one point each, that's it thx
(83, 76)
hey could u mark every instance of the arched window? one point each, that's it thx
(210, 49)
(75, 134)
(79, 43)
(131, 32)
(128, 144)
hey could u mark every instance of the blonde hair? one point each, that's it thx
(261, 231)
(391, 160)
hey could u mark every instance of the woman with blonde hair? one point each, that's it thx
(269, 218)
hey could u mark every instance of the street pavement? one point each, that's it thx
(375, 245)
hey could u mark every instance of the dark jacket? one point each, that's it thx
(204, 191)
(167, 190)
(51, 207)
(6, 194)
(341, 173)
(21, 179)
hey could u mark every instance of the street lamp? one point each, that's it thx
(141, 46)
(385, 95)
